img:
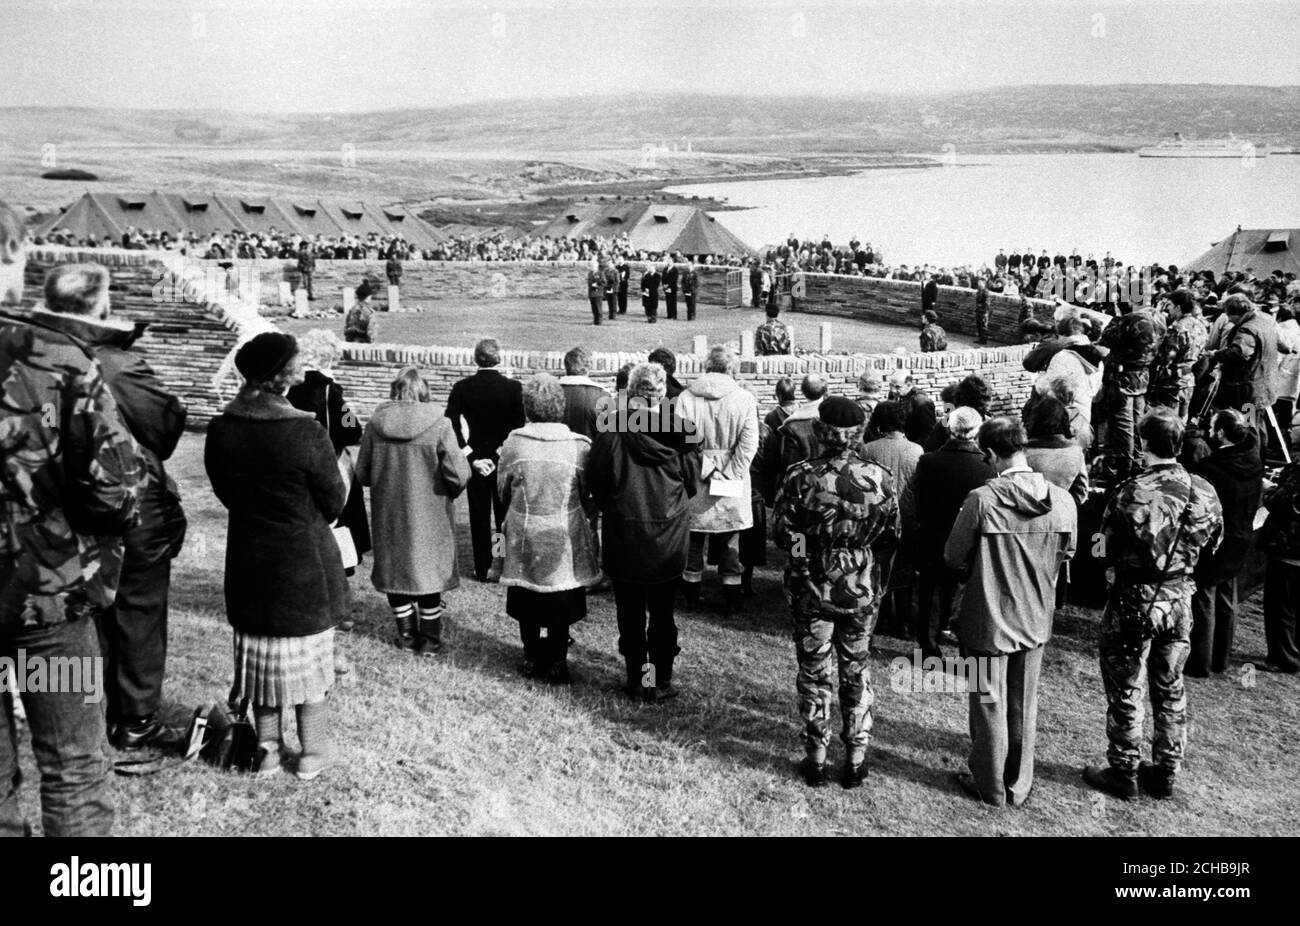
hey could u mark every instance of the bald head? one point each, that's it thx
(814, 387)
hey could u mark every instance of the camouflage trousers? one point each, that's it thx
(821, 637)
(1143, 657)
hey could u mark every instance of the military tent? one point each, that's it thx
(649, 227)
(1262, 249)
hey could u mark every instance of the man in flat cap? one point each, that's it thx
(837, 517)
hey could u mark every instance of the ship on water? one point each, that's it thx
(1179, 147)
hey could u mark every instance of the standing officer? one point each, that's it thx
(669, 277)
(837, 516)
(1154, 531)
(595, 290)
(689, 280)
(306, 268)
(650, 293)
(982, 308)
(609, 277)
(624, 272)
(755, 282)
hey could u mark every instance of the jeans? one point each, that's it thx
(634, 600)
(68, 739)
(133, 639)
(483, 504)
(729, 570)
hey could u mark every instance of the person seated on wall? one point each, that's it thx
(933, 337)
(359, 325)
(1032, 329)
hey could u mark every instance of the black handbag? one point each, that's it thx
(228, 736)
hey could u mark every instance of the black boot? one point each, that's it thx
(633, 687)
(557, 649)
(691, 595)
(854, 774)
(430, 639)
(1155, 780)
(732, 600)
(1112, 781)
(814, 772)
(747, 582)
(405, 630)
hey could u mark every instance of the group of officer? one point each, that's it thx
(609, 279)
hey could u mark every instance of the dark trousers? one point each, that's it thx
(690, 307)
(670, 304)
(305, 280)
(622, 302)
(1214, 618)
(982, 325)
(553, 649)
(929, 620)
(483, 505)
(611, 303)
(595, 309)
(1281, 591)
(651, 307)
(1004, 725)
(639, 645)
(67, 739)
(1122, 415)
(896, 616)
(756, 295)
(133, 639)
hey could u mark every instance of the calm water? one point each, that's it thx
(1140, 209)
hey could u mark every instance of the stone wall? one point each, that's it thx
(898, 302)
(194, 327)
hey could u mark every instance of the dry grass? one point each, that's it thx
(462, 745)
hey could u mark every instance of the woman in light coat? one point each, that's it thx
(415, 469)
(725, 416)
(550, 552)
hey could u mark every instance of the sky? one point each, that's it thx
(351, 55)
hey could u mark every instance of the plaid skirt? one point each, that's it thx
(283, 671)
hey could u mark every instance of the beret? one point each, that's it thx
(840, 412)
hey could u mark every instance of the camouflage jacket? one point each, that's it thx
(933, 338)
(838, 518)
(1141, 522)
(69, 477)
(772, 337)
(1132, 340)
(1179, 350)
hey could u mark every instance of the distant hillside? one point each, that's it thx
(1098, 117)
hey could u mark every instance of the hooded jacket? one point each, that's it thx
(414, 467)
(643, 483)
(1009, 540)
(274, 469)
(725, 417)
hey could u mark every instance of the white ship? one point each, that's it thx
(1179, 147)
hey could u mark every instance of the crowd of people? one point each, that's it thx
(885, 503)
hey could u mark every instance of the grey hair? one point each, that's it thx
(76, 289)
(320, 348)
(721, 359)
(964, 423)
(544, 398)
(577, 362)
(648, 381)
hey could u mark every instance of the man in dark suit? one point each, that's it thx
(610, 277)
(650, 293)
(669, 277)
(755, 283)
(624, 272)
(689, 280)
(595, 290)
(929, 294)
(489, 406)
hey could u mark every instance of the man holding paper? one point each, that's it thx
(726, 421)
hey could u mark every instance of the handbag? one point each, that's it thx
(229, 738)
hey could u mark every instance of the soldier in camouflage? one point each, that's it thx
(1172, 379)
(933, 337)
(1131, 340)
(772, 337)
(1154, 531)
(69, 475)
(837, 516)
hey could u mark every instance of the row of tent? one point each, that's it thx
(649, 227)
(100, 215)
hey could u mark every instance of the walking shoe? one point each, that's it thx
(814, 773)
(1111, 780)
(148, 733)
(1155, 780)
(854, 775)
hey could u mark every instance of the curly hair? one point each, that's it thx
(320, 349)
(544, 398)
(973, 392)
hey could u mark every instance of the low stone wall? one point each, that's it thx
(898, 302)
(194, 327)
